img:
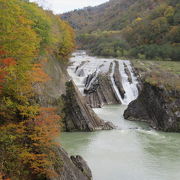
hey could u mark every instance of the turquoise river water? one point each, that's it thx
(133, 151)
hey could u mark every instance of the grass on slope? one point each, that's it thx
(160, 73)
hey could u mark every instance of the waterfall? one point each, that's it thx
(83, 65)
(130, 88)
(94, 78)
(114, 85)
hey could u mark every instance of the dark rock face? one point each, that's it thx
(136, 111)
(82, 165)
(78, 115)
(99, 88)
(157, 106)
(118, 79)
(108, 126)
(74, 168)
(101, 92)
(48, 95)
(128, 73)
(140, 77)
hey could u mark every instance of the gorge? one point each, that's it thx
(66, 114)
(132, 146)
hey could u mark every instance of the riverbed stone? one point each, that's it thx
(78, 115)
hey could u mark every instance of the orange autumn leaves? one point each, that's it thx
(47, 125)
(27, 139)
(4, 64)
(2, 177)
(38, 75)
(8, 62)
(49, 122)
(31, 142)
(27, 130)
(16, 88)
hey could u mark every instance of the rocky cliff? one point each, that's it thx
(78, 115)
(80, 118)
(103, 82)
(118, 79)
(157, 106)
(100, 92)
(99, 87)
(71, 168)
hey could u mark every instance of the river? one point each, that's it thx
(133, 151)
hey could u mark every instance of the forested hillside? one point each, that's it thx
(146, 29)
(27, 35)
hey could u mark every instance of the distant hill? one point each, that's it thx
(112, 15)
(138, 28)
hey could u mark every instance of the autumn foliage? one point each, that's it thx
(27, 130)
(27, 145)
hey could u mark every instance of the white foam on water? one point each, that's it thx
(97, 65)
(114, 85)
(131, 91)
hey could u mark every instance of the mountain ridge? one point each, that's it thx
(147, 29)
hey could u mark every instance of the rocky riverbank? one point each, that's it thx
(71, 168)
(60, 92)
(78, 115)
(49, 95)
(157, 106)
(102, 82)
(158, 102)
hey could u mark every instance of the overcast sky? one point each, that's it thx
(60, 6)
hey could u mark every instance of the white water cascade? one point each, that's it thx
(89, 65)
(133, 151)
(114, 85)
(130, 88)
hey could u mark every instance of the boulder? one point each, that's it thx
(157, 106)
(118, 79)
(71, 168)
(127, 71)
(78, 115)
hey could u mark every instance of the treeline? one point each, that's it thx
(27, 35)
(146, 29)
